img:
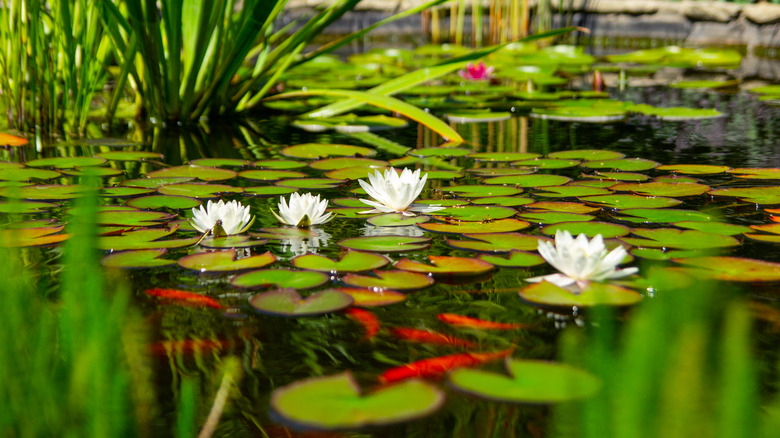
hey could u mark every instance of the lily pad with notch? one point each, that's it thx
(153, 183)
(480, 191)
(500, 157)
(144, 239)
(224, 261)
(386, 243)
(623, 164)
(662, 189)
(503, 201)
(220, 162)
(497, 242)
(756, 195)
(129, 155)
(653, 215)
(446, 266)
(393, 280)
(552, 217)
(471, 227)
(281, 278)
(238, 241)
(66, 162)
(516, 259)
(531, 181)
(351, 261)
(270, 175)
(372, 298)
(481, 213)
(280, 164)
(310, 183)
(587, 155)
(202, 173)
(693, 169)
(630, 201)
(756, 173)
(288, 302)
(547, 294)
(590, 229)
(143, 258)
(199, 191)
(156, 202)
(51, 192)
(547, 163)
(734, 268)
(570, 191)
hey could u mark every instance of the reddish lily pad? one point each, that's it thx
(755, 195)
(693, 169)
(225, 261)
(493, 226)
(394, 280)
(678, 239)
(630, 201)
(756, 173)
(481, 191)
(734, 268)
(163, 201)
(445, 265)
(352, 261)
(27, 237)
(337, 403)
(195, 190)
(372, 298)
(516, 259)
(535, 180)
(144, 258)
(497, 242)
(590, 229)
(587, 155)
(549, 295)
(396, 220)
(202, 173)
(270, 175)
(482, 213)
(386, 243)
(282, 278)
(287, 302)
(314, 151)
(623, 164)
(66, 162)
(663, 189)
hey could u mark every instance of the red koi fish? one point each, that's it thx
(368, 320)
(438, 366)
(189, 346)
(429, 337)
(467, 321)
(190, 298)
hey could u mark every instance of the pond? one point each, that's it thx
(693, 191)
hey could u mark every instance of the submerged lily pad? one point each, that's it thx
(337, 403)
(445, 265)
(548, 294)
(529, 381)
(282, 278)
(394, 280)
(352, 261)
(224, 261)
(144, 258)
(287, 302)
(386, 243)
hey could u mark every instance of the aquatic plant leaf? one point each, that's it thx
(678, 239)
(26, 174)
(144, 239)
(195, 190)
(25, 207)
(153, 183)
(337, 403)
(529, 381)
(619, 176)
(623, 164)
(652, 215)
(714, 227)
(239, 241)
(662, 189)
(461, 227)
(443, 174)
(734, 268)
(224, 261)
(341, 163)
(36, 236)
(756, 173)
(755, 195)
(386, 243)
(124, 192)
(138, 218)
(674, 114)
(766, 89)
(282, 233)
(477, 213)
(202, 173)
(503, 201)
(529, 180)
(268, 191)
(287, 302)
(630, 201)
(219, 162)
(694, 169)
(144, 258)
(661, 254)
(477, 116)
(313, 151)
(103, 172)
(310, 183)
(551, 217)
(446, 265)
(396, 220)
(129, 155)
(353, 173)
(587, 155)
(500, 171)
(270, 175)
(393, 280)
(550, 295)
(704, 84)
(563, 207)
(282, 278)
(480, 191)
(351, 261)
(66, 162)
(516, 259)
(10, 165)
(675, 178)
(572, 191)
(372, 298)
(497, 242)
(547, 163)
(279, 164)
(156, 202)
(439, 152)
(590, 229)
(41, 192)
(499, 157)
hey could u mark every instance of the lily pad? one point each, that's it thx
(591, 229)
(163, 201)
(439, 152)
(199, 191)
(547, 163)
(26, 174)
(481, 213)
(755, 195)
(144, 239)
(239, 241)
(224, 261)
(572, 191)
(153, 183)
(480, 191)
(394, 280)
(386, 243)
(144, 258)
(445, 265)
(714, 227)
(219, 162)
(396, 220)
(516, 259)
(693, 169)
(282, 278)
(503, 201)
(620, 176)
(678, 239)
(270, 175)
(756, 173)
(499, 157)
(734, 268)
(536, 180)
(552, 217)
(103, 172)
(352, 261)
(310, 183)
(587, 155)
(287, 302)
(623, 164)
(314, 151)
(25, 207)
(337, 403)
(129, 155)
(353, 173)
(202, 173)
(44, 192)
(652, 215)
(630, 201)
(497, 242)
(341, 163)
(66, 162)
(372, 298)
(280, 164)
(461, 227)
(548, 294)
(662, 189)
(124, 192)
(37, 236)
(563, 207)
(138, 218)
(529, 381)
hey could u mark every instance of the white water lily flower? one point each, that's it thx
(303, 210)
(581, 261)
(394, 193)
(222, 219)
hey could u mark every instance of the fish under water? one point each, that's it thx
(438, 366)
(467, 321)
(367, 319)
(184, 297)
(430, 337)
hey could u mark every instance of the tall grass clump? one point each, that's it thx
(683, 366)
(70, 357)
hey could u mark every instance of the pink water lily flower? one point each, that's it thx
(477, 72)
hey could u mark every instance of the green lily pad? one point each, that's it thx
(26, 174)
(630, 201)
(734, 268)
(591, 229)
(755, 195)
(477, 116)
(372, 298)
(137, 218)
(310, 183)
(623, 164)
(619, 176)
(547, 163)
(103, 172)
(693, 169)
(497, 242)
(144, 239)
(44, 192)
(482, 213)
(572, 191)
(529, 381)
(678, 239)
(704, 84)
(282, 233)
(550, 295)
(662, 189)
(535, 181)
(587, 155)
(10, 165)
(66, 162)
(280, 164)
(394, 280)
(552, 217)
(124, 192)
(756, 173)
(281, 278)
(499, 157)
(660, 254)
(315, 151)
(144, 258)
(268, 191)
(270, 175)
(503, 201)
(500, 171)
(341, 163)
(25, 207)
(396, 220)
(199, 191)
(224, 261)
(352, 261)
(675, 178)
(386, 243)
(674, 114)
(714, 227)
(480, 191)
(766, 89)
(202, 173)
(352, 173)
(157, 202)
(516, 259)
(652, 215)
(231, 242)
(219, 162)
(445, 265)
(443, 174)
(288, 302)
(28, 237)
(439, 152)
(337, 403)
(153, 183)
(471, 227)
(129, 155)
(562, 207)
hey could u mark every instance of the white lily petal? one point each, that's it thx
(232, 216)
(300, 206)
(393, 191)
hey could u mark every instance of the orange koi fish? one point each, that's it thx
(467, 321)
(429, 337)
(368, 320)
(190, 298)
(438, 366)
